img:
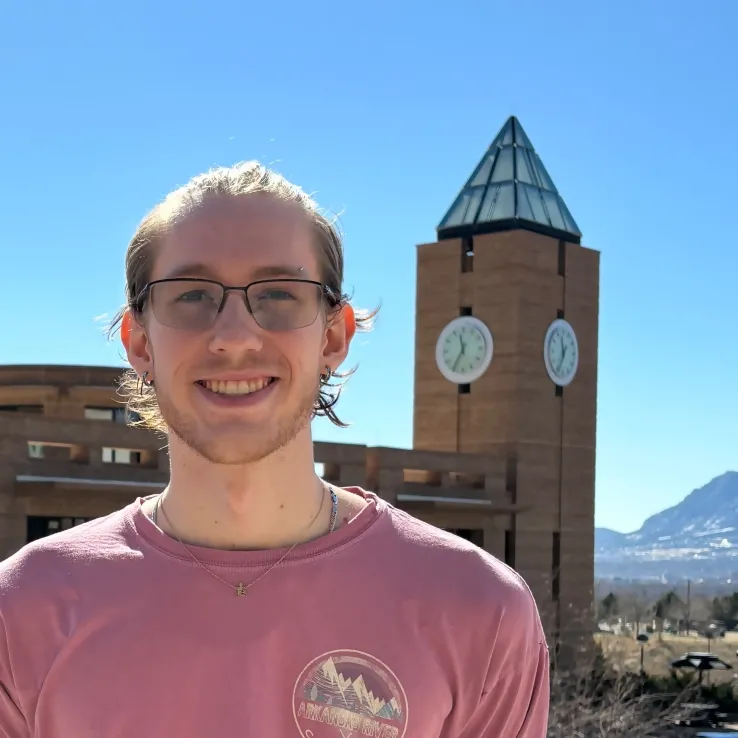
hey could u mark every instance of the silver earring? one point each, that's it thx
(326, 377)
(145, 382)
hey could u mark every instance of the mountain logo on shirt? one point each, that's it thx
(345, 693)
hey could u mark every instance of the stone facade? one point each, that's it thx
(517, 282)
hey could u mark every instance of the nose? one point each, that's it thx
(235, 330)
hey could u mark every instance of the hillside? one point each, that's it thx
(697, 538)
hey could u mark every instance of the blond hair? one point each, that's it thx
(240, 180)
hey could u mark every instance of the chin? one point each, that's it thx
(244, 440)
(236, 449)
(239, 445)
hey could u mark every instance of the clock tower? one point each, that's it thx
(506, 365)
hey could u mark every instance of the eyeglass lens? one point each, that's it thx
(276, 305)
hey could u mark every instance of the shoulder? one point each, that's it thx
(475, 611)
(468, 579)
(51, 565)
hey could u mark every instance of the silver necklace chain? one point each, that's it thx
(242, 589)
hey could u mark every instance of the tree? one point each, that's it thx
(725, 609)
(668, 607)
(700, 611)
(601, 698)
(635, 606)
(609, 607)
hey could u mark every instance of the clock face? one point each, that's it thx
(464, 350)
(561, 352)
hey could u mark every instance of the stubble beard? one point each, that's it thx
(250, 447)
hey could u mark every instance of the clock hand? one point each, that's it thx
(460, 354)
(561, 363)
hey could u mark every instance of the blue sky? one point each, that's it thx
(383, 109)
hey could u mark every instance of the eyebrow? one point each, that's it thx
(199, 269)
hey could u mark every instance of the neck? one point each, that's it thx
(271, 503)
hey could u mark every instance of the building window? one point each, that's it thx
(114, 414)
(35, 409)
(120, 456)
(562, 259)
(41, 526)
(556, 566)
(99, 413)
(510, 548)
(511, 477)
(473, 535)
(35, 450)
(467, 254)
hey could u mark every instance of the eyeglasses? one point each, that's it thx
(275, 304)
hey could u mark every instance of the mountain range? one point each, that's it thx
(696, 539)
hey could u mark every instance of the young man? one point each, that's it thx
(251, 598)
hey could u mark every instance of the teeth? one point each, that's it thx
(235, 388)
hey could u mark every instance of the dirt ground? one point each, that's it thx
(625, 652)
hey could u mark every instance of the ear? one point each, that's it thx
(349, 317)
(136, 343)
(125, 329)
(339, 332)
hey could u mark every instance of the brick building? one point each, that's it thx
(504, 407)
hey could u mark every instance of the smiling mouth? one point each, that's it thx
(241, 387)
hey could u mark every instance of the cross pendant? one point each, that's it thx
(241, 590)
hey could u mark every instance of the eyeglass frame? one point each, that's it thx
(326, 292)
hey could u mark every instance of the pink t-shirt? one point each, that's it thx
(388, 628)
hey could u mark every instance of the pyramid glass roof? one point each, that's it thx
(510, 188)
